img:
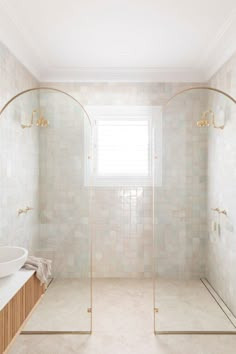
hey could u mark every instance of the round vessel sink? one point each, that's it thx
(11, 260)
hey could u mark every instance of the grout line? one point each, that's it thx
(208, 286)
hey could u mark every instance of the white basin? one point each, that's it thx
(11, 260)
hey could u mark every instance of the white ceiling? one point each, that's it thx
(120, 40)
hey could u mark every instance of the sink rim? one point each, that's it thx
(25, 253)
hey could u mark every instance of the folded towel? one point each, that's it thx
(42, 267)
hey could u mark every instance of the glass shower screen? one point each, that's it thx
(194, 213)
(48, 163)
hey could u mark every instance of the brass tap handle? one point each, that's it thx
(216, 209)
(28, 208)
(223, 212)
(220, 211)
(21, 211)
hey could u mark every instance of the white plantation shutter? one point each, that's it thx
(122, 147)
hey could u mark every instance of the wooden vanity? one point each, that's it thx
(19, 294)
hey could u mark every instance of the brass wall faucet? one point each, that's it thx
(24, 211)
(220, 211)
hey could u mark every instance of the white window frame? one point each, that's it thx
(153, 114)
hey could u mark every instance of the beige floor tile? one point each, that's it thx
(123, 324)
(63, 308)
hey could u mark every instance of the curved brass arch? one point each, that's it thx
(44, 88)
(200, 88)
(91, 243)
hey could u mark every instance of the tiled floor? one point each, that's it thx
(188, 306)
(123, 324)
(63, 308)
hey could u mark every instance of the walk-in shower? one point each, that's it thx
(46, 192)
(194, 216)
(47, 201)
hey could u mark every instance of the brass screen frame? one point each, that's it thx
(91, 224)
(155, 310)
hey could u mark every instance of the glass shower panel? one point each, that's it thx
(62, 141)
(189, 236)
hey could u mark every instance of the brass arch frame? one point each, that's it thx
(200, 88)
(90, 309)
(45, 88)
(155, 309)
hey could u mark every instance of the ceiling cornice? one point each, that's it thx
(22, 45)
(122, 75)
(13, 36)
(221, 49)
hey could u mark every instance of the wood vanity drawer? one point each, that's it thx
(13, 315)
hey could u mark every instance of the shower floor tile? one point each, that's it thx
(188, 306)
(63, 307)
(123, 320)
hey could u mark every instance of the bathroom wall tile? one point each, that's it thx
(122, 216)
(19, 156)
(221, 256)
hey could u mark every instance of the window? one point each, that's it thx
(122, 145)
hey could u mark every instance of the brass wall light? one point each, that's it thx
(40, 122)
(208, 119)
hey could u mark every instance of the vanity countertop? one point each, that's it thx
(10, 285)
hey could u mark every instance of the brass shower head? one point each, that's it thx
(41, 121)
(205, 122)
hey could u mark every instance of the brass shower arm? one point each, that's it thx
(213, 120)
(23, 126)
